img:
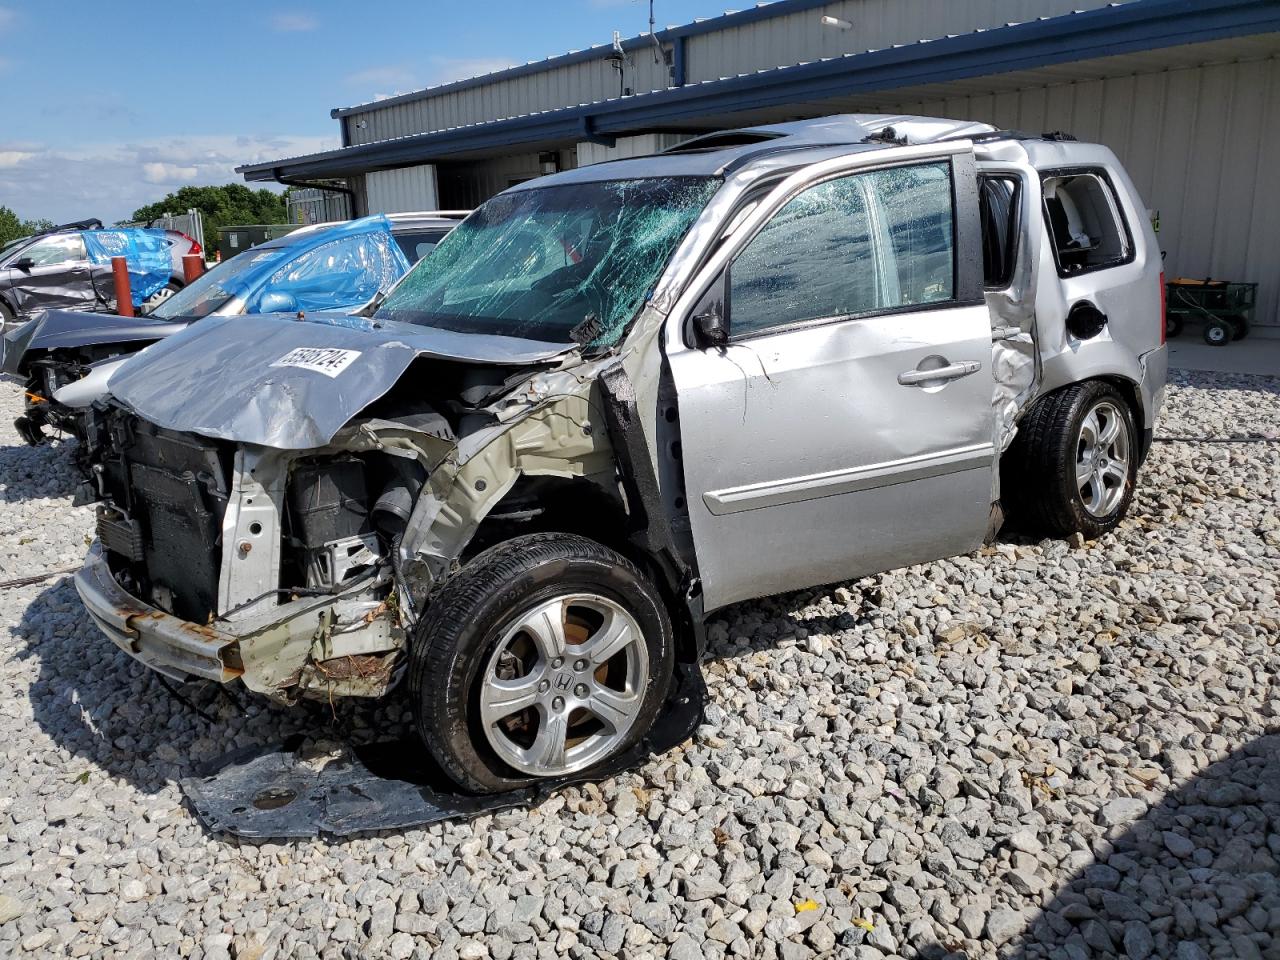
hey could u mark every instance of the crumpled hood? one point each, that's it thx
(277, 381)
(57, 329)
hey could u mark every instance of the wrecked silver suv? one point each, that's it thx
(618, 398)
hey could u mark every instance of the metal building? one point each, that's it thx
(1187, 92)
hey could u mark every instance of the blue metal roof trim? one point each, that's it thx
(1108, 31)
(738, 18)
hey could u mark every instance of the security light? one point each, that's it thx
(837, 22)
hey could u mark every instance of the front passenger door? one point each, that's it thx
(58, 276)
(846, 426)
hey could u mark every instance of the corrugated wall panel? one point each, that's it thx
(402, 191)
(783, 40)
(801, 37)
(550, 89)
(1200, 144)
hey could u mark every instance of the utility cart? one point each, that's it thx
(1226, 308)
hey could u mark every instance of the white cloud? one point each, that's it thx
(294, 23)
(158, 172)
(111, 180)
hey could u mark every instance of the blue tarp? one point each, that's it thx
(343, 266)
(145, 251)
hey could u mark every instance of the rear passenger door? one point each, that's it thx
(846, 427)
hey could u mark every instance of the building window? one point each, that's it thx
(1085, 223)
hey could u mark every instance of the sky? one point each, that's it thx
(108, 106)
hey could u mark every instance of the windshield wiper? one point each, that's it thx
(586, 331)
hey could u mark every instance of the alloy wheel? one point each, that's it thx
(1102, 459)
(564, 685)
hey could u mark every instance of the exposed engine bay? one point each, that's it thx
(308, 568)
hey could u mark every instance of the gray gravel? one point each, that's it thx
(1041, 750)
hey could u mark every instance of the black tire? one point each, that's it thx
(1239, 327)
(153, 301)
(1172, 325)
(467, 619)
(1218, 333)
(6, 317)
(1038, 471)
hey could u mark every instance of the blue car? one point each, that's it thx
(338, 268)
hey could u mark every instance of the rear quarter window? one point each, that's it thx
(1084, 220)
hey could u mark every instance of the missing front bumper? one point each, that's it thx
(164, 643)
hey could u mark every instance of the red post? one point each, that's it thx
(124, 296)
(192, 266)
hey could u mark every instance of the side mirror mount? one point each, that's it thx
(274, 301)
(711, 316)
(24, 264)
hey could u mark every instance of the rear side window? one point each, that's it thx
(419, 243)
(1085, 223)
(998, 202)
(861, 244)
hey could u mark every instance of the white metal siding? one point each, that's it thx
(402, 191)
(550, 89)
(876, 24)
(1200, 144)
(777, 41)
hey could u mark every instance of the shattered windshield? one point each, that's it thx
(556, 264)
(210, 291)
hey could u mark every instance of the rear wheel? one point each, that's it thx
(1072, 465)
(1172, 325)
(546, 655)
(1239, 327)
(6, 317)
(160, 296)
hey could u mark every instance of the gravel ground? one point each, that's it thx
(1041, 750)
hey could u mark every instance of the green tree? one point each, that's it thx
(230, 204)
(12, 226)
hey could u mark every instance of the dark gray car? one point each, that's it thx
(52, 271)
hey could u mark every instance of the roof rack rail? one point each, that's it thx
(93, 223)
(722, 140)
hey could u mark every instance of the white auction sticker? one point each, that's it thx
(327, 360)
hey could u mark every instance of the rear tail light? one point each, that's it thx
(196, 248)
(1164, 306)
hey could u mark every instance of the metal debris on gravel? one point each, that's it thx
(1039, 750)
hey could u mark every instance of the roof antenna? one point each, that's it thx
(658, 56)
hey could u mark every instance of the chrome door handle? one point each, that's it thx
(914, 378)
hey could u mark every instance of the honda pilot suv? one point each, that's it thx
(619, 398)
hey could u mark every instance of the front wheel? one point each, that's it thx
(546, 655)
(1218, 333)
(1072, 466)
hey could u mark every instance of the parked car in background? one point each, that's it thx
(562, 440)
(342, 267)
(52, 270)
(418, 233)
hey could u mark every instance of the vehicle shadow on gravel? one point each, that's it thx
(27, 472)
(1194, 875)
(111, 713)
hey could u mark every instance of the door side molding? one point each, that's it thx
(848, 480)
